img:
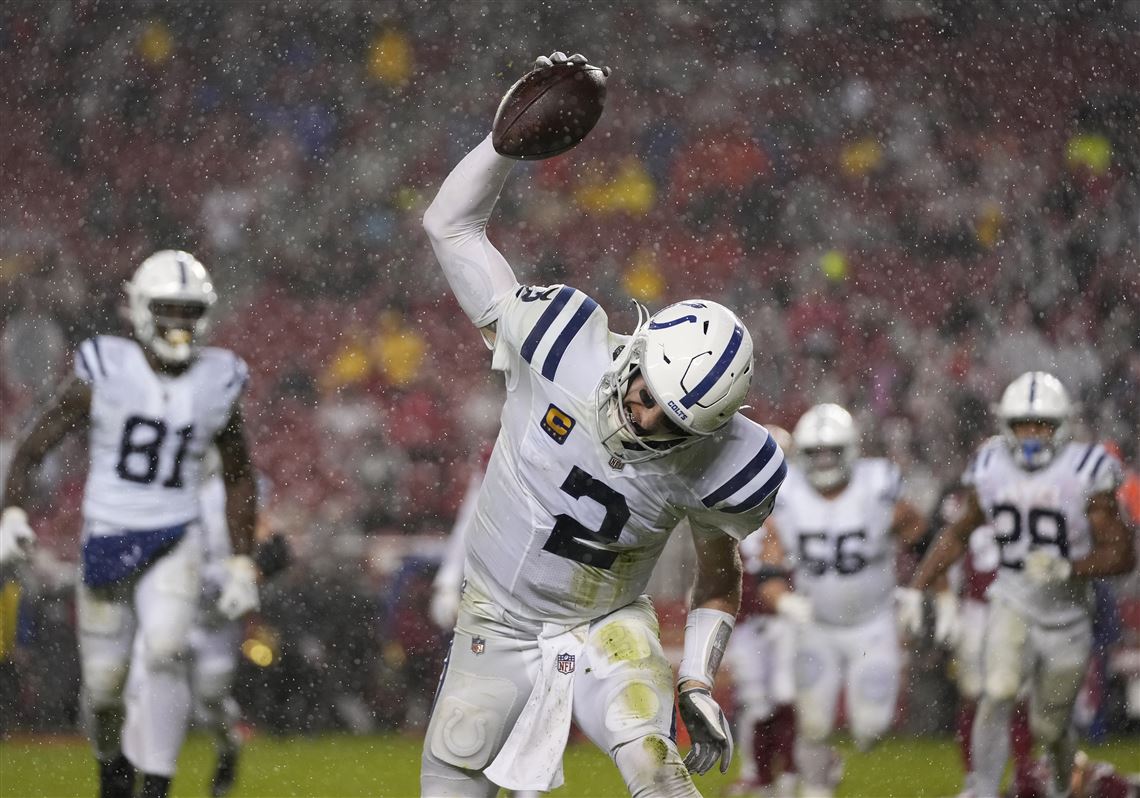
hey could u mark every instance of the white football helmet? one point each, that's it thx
(826, 445)
(169, 300)
(696, 359)
(1034, 396)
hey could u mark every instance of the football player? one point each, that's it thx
(215, 638)
(1052, 505)
(836, 523)
(151, 406)
(761, 658)
(607, 443)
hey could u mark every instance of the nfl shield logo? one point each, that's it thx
(478, 645)
(615, 463)
(565, 663)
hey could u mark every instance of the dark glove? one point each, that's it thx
(708, 730)
(272, 555)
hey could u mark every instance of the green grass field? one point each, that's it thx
(387, 767)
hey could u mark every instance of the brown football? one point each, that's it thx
(548, 111)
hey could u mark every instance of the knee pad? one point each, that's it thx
(1001, 683)
(103, 683)
(652, 766)
(466, 728)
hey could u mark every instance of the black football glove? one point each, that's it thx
(272, 555)
(708, 730)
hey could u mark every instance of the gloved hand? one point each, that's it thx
(909, 607)
(947, 623)
(1043, 567)
(16, 536)
(444, 608)
(239, 593)
(795, 608)
(544, 62)
(272, 555)
(708, 729)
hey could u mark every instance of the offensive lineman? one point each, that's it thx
(151, 407)
(607, 443)
(1052, 504)
(836, 523)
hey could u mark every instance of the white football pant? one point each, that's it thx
(159, 605)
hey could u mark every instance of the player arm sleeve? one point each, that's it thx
(456, 223)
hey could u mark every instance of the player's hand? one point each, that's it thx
(444, 608)
(272, 555)
(1043, 567)
(947, 621)
(16, 536)
(795, 608)
(239, 593)
(708, 729)
(908, 602)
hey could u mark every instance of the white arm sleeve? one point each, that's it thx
(456, 223)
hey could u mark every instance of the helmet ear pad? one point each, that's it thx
(176, 282)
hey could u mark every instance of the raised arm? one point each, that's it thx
(456, 223)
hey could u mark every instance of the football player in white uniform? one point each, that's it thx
(761, 658)
(607, 443)
(835, 524)
(151, 407)
(1052, 505)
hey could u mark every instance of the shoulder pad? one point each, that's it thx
(747, 471)
(1094, 466)
(98, 357)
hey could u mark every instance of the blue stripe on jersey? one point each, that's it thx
(759, 496)
(544, 321)
(693, 396)
(84, 364)
(1099, 462)
(1085, 459)
(98, 356)
(746, 475)
(550, 367)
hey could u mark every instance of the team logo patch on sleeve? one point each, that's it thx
(565, 663)
(557, 424)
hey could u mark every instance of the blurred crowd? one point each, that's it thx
(908, 203)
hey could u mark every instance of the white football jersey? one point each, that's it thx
(1046, 508)
(562, 531)
(842, 549)
(149, 431)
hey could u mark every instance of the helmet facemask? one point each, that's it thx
(1039, 398)
(695, 358)
(827, 446)
(169, 301)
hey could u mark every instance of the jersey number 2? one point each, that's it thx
(570, 539)
(140, 447)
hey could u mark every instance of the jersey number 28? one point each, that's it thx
(141, 446)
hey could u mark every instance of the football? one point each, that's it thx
(549, 110)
